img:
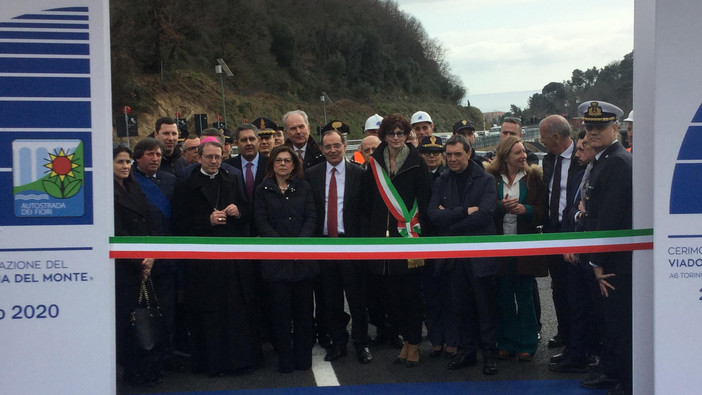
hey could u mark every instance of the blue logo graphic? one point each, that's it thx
(45, 118)
(687, 177)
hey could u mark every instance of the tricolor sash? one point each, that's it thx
(407, 221)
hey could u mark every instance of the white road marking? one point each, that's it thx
(323, 371)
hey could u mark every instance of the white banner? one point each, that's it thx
(56, 283)
(676, 131)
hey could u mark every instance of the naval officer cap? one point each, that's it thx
(597, 112)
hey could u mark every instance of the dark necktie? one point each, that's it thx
(332, 227)
(299, 155)
(555, 193)
(249, 180)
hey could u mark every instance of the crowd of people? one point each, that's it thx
(403, 181)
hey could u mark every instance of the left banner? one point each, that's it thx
(56, 281)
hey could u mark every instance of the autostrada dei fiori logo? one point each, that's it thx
(48, 178)
(687, 177)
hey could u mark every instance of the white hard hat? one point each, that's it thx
(373, 122)
(630, 118)
(420, 116)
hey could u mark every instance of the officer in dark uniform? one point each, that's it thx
(266, 130)
(608, 206)
(466, 129)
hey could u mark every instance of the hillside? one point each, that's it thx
(367, 55)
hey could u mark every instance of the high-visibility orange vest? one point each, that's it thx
(358, 157)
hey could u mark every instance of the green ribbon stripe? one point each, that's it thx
(379, 240)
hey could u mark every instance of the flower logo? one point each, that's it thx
(62, 182)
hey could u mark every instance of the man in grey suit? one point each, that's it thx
(336, 186)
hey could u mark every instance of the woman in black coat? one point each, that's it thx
(220, 295)
(400, 163)
(284, 207)
(131, 219)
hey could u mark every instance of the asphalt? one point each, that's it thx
(349, 372)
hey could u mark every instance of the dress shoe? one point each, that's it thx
(489, 366)
(555, 342)
(399, 361)
(411, 364)
(504, 354)
(462, 359)
(568, 366)
(335, 352)
(364, 355)
(558, 357)
(450, 355)
(324, 340)
(593, 361)
(599, 381)
(618, 390)
(524, 357)
(135, 379)
(412, 355)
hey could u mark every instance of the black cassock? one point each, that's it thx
(220, 295)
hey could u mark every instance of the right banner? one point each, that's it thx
(668, 106)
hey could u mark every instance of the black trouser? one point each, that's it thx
(292, 308)
(407, 306)
(475, 308)
(347, 277)
(557, 270)
(617, 348)
(378, 303)
(583, 337)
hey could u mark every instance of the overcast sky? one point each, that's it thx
(498, 46)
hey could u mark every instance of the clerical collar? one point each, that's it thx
(209, 175)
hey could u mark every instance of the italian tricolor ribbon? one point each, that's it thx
(407, 221)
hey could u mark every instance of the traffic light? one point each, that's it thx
(131, 127)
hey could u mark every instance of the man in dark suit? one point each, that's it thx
(336, 185)
(462, 204)
(560, 166)
(608, 206)
(158, 186)
(583, 339)
(297, 127)
(251, 163)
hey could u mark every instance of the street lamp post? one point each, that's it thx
(222, 66)
(324, 107)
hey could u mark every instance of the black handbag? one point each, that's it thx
(146, 319)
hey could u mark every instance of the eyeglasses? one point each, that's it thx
(287, 161)
(330, 146)
(193, 148)
(212, 156)
(395, 134)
